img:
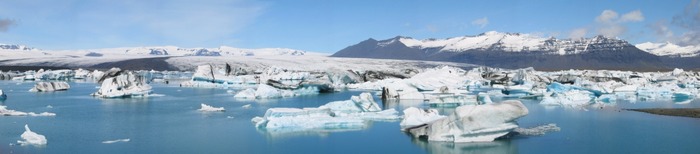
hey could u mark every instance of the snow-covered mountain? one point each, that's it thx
(670, 49)
(15, 47)
(513, 42)
(511, 50)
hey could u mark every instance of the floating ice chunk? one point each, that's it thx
(42, 114)
(119, 84)
(572, 98)
(49, 106)
(3, 96)
(247, 106)
(266, 91)
(607, 98)
(207, 108)
(31, 138)
(415, 117)
(247, 93)
(351, 114)
(7, 112)
(115, 141)
(626, 88)
(50, 86)
(474, 123)
(539, 130)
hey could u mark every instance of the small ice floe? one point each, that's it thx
(155, 95)
(31, 138)
(207, 108)
(49, 106)
(229, 117)
(539, 130)
(247, 106)
(115, 141)
(7, 112)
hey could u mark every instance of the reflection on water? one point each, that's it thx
(497, 146)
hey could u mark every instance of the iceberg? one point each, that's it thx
(413, 117)
(351, 114)
(3, 96)
(115, 141)
(31, 138)
(7, 112)
(473, 123)
(54, 75)
(572, 98)
(208, 108)
(122, 84)
(265, 91)
(50, 86)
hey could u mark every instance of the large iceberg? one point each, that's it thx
(50, 86)
(351, 114)
(473, 123)
(119, 84)
(32, 138)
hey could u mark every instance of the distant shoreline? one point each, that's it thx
(679, 112)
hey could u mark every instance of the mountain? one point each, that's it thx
(15, 47)
(669, 49)
(513, 50)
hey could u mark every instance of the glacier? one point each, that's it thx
(473, 123)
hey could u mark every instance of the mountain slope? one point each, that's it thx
(513, 50)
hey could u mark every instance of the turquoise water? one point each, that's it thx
(171, 124)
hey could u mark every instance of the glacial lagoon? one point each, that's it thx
(170, 123)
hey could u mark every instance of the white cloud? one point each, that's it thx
(578, 33)
(607, 16)
(634, 16)
(481, 22)
(609, 22)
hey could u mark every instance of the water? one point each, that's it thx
(171, 124)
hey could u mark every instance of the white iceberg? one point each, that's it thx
(413, 117)
(265, 91)
(351, 114)
(208, 108)
(572, 98)
(31, 138)
(7, 112)
(3, 96)
(121, 84)
(115, 141)
(473, 123)
(50, 86)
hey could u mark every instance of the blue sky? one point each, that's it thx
(328, 26)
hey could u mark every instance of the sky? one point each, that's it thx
(331, 25)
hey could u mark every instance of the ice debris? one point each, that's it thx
(539, 130)
(207, 108)
(115, 141)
